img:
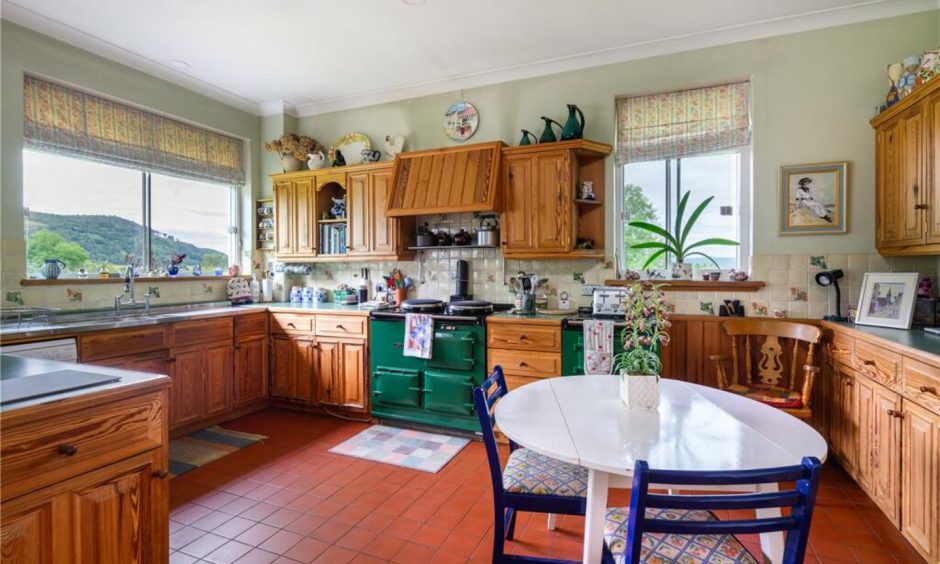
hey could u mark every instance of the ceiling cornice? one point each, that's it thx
(865, 11)
(61, 32)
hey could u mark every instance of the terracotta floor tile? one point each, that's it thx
(290, 495)
(362, 558)
(204, 545)
(182, 558)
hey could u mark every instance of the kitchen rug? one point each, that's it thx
(202, 447)
(428, 452)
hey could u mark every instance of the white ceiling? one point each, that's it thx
(315, 56)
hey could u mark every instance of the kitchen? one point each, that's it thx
(390, 253)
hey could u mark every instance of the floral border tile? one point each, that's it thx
(15, 298)
(819, 261)
(798, 294)
(73, 295)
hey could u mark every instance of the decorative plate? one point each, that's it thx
(352, 145)
(461, 121)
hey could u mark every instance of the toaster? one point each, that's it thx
(608, 302)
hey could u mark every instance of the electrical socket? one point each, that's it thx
(588, 289)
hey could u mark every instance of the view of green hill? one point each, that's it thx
(104, 238)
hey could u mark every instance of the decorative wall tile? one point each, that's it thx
(73, 295)
(798, 294)
(578, 277)
(819, 261)
(15, 298)
(759, 310)
(153, 291)
(707, 308)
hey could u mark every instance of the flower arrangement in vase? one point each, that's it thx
(294, 150)
(647, 321)
(175, 262)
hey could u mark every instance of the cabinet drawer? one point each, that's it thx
(513, 382)
(524, 337)
(37, 454)
(251, 324)
(110, 344)
(842, 348)
(187, 333)
(291, 322)
(532, 364)
(877, 363)
(922, 382)
(341, 325)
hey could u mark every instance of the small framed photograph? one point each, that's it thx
(887, 299)
(813, 199)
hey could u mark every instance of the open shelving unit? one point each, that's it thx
(264, 222)
(332, 232)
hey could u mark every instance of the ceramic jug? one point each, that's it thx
(50, 269)
(574, 125)
(316, 160)
(548, 134)
(526, 136)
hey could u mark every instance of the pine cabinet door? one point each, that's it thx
(304, 225)
(385, 232)
(885, 423)
(352, 374)
(358, 213)
(283, 218)
(932, 167)
(219, 378)
(552, 193)
(920, 481)
(282, 366)
(26, 535)
(111, 519)
(900, 192)
(188, 394)
(251, 369)
(305, 370)
(327, 361)
(518, 206)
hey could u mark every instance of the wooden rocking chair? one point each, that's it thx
(774, 352)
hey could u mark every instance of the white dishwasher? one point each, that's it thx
(64, 350)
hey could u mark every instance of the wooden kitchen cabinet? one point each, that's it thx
(293, 368)
(371, 233)
(188, 394)
(920, 480)
(295, 217)
(845, 413)
(907, 194)
(219, 378)
(541, 214)
(879, 429)
(251, 369)
(341, 369)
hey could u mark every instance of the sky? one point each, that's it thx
(194, 212)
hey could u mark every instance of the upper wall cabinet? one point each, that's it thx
(306, 232)
(542, 216)
(907, 182)
(448, 180)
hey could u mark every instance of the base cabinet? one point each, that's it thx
(293, 368)
(844, 437)
(920, 481)
(251, 369)
(113, 515)
(879, 468)
(341, 365)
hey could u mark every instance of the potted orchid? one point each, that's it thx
(639, 365)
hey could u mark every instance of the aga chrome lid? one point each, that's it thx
(422, 306)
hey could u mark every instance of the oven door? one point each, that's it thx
(453, 348)
(396, 387)
(448, 392)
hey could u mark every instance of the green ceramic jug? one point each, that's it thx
(526, 135)
(574, 127)
(548, 134)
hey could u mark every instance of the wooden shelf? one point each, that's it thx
(120, 280)
(590, 202)
(339, 220)
(696, 285)
(450, 247)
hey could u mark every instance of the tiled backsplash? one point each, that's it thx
(791, 287)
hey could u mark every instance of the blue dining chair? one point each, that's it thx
(529, 482)
(672, 527)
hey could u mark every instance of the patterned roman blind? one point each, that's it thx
(683, 123)
(65, 120)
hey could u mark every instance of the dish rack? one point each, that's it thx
(25, 316)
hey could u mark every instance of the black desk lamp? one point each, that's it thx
(831, 278)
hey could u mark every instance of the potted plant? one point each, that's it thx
(293, 150)
(677, 241)
(647, 320)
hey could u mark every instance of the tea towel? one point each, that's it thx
(598, 346)
(419, 335)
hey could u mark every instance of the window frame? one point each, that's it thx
(146, 263)
(743, 231)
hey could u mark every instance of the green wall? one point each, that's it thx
(26, 51)
(813, 94)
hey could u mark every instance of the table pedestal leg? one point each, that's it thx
(595, 516)
(771, 543)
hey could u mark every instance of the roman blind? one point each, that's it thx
(66, 120)
(687, 122)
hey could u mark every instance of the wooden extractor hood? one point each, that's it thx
(447, 180)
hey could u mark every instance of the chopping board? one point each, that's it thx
(13, 390)
(557, 311)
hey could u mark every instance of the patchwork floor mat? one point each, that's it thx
(428, 452)
(202, 447)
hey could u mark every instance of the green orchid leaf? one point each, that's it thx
(680, 211)
(706, 256)
(655, 229)
(713, 241)
(653, 258)
(651, 245)
(683, 235)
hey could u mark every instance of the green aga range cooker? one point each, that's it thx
(437, 391)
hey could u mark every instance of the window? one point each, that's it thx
(651, 190)
(92, 215)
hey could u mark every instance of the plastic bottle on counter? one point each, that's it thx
(267, 290)
(255, 289)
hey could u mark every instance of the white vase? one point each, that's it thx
(290, 164)
(639, 392)
(682, 270)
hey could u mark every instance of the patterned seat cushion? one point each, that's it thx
(528, 472)
(660, 548)
(771, 395)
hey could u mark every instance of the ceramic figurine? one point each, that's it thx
(929, 66)
(234, 270)
(528, 138)
(631, 275)
(586, 190)
(393, 146)
(339, 207)
(574, 125)
(738, 275)
(371, 156)
(895, 70)
(909, 77)
(218, 271)
(197, 270)
(338, 158)
(316, 160)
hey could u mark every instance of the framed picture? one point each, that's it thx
(813, 198)
(887, 299)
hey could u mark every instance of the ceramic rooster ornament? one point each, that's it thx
(393, 146)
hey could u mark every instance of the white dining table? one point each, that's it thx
(581, 420)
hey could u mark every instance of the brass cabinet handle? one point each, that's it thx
(171, 359)
(291, 325)
(522, 363)
(868, 362)
(68, 449)
(929, 390)
(849, 383)
(920, 206)
(161, 474)
(338, 326)
(896, 414)
(522, 337)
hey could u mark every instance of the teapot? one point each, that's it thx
(526, 135)
(548, 134)
(316, 160)
(574, 127)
